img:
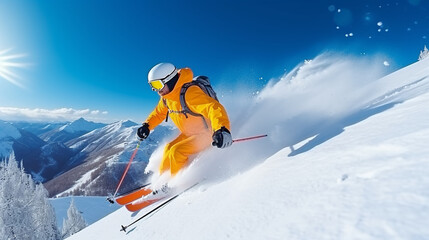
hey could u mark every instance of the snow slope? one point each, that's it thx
(346, 158)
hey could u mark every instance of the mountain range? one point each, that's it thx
(79, 157)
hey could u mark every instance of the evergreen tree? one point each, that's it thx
(424, 54)
(74, 223)
(25, 212)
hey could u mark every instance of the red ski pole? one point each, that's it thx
(110, 199)
(249, 138)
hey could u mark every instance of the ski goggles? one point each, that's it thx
(158, 84)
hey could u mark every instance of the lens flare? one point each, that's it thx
(9, 63)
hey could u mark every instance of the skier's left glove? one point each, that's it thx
(222, 138)
(143, 131)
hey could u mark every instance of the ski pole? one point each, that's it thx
(124, 228)
(110, 199)
(249, 138)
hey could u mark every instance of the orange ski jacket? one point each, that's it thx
(214, 113)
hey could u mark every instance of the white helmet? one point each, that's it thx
(162, 71)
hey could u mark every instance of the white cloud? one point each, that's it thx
(40, 114)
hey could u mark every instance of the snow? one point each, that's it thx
(83, 180)
(7, 130)
(424, 53)
(346, 158)
(80, 125)
(7, 134)
(92, 208)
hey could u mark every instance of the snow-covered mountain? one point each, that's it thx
(346, 158)
(38, 128)
(81, 125)
(101, 157)
(42, 159)
(102, 153)
(8, 133)
(70, 131)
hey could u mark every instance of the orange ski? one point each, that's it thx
(133, 207)
(128, 198)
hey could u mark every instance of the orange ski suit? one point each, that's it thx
(194, 136)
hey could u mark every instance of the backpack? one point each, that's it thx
(202, 82)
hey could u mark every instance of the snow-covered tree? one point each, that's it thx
(25, 212)
(74, 222)
(424, 54)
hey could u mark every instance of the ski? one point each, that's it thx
(131, 197)
(134, 207)
(124, 228)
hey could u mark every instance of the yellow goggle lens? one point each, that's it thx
(156, 84)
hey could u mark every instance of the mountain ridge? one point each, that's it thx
(101, 159)
(73, 144)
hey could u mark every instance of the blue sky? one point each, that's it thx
(73, 58)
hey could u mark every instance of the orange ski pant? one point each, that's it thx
(177, 152)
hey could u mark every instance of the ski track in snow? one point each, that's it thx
(343, 162)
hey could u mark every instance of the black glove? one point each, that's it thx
(222, 138)
(143, 131)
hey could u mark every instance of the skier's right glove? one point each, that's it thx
(222, 138)
(143, 131)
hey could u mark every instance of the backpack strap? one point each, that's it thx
(165, 104)
(184, 111)
(169, 110)
(185, 108)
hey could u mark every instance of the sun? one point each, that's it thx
(9, 63)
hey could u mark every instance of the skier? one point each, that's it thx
(196, 133)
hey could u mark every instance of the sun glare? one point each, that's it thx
(9, 63)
